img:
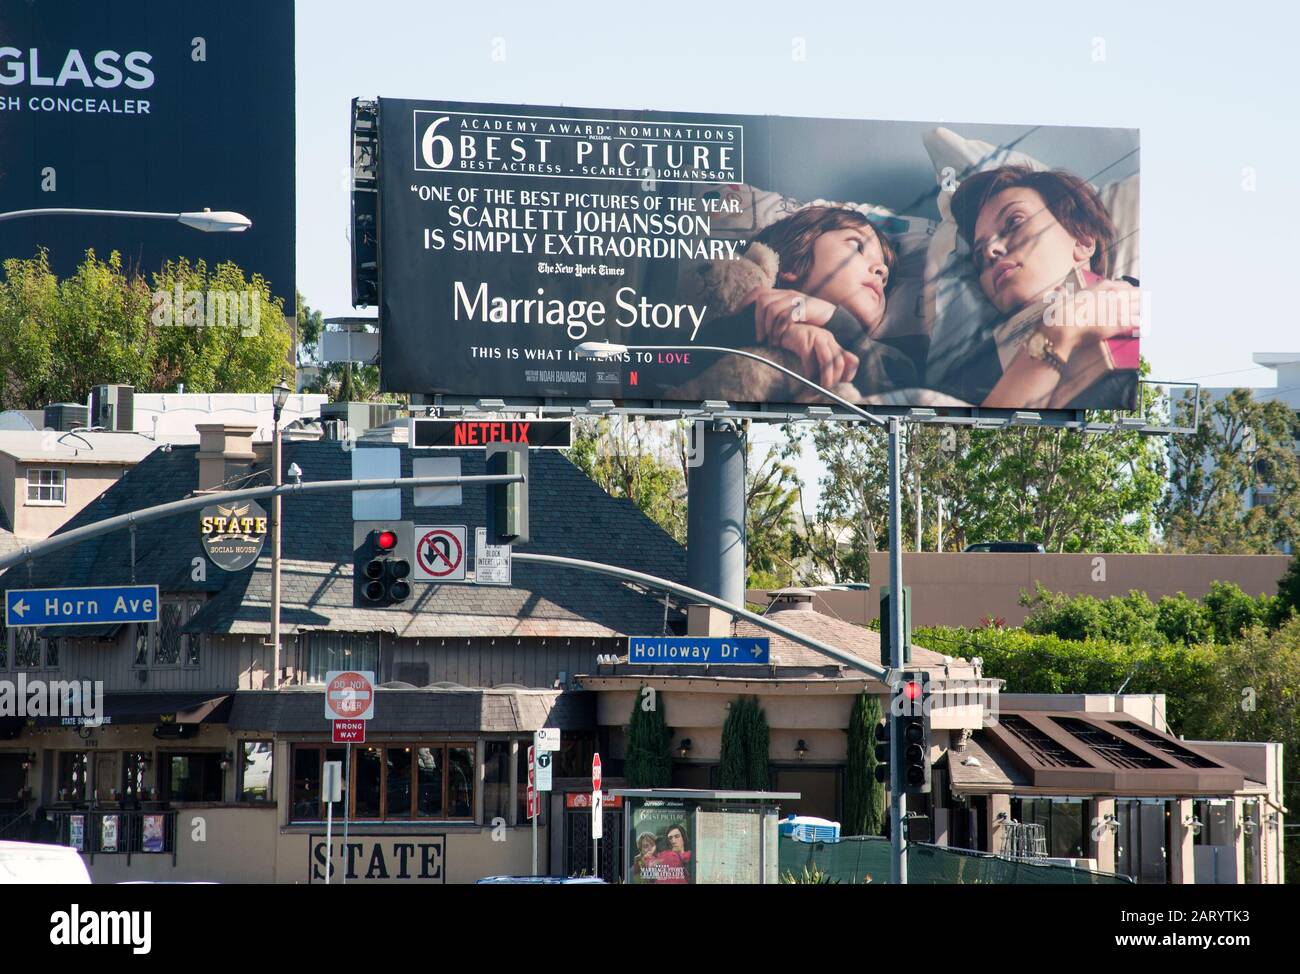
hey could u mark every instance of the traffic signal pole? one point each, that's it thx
(30, 552)
(902, 658)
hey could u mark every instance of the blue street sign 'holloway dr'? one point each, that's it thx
(81, 606)
(692, 649)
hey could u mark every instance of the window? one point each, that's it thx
(51, 653)
(45, 486)
(193, 776)
(496, 780)
(328, 651)
(134, 765)
(391, 781)
(1062, 821)
(167, 652)
(192, 640)
(141, 645)
(165, 640)
(27, 648)
(74, 769)
(254, 784)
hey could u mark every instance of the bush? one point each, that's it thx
(1183, 620)
(648, 762)
(743, 762)
(1131, 618)
(1232, 611)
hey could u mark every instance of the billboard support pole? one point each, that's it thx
(897, 800)
(715, 512)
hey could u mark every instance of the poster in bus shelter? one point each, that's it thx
(890, 262)
(662, 850)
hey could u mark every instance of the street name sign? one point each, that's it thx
(698, 650)
(81, 606)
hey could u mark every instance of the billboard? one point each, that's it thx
(903, 263)
(149, 105)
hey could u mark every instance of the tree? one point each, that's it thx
(1241, 443)
(864, 796)
(771, 502)
(648, 760)
(743, 763)
(1064, 489)
(1288, 591)
(103, 324)
(637, 460)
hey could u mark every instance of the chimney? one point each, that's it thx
(787, 599)
(706, 621)
(225, 452)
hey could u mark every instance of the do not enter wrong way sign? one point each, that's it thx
(349, 695)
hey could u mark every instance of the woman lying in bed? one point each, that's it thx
(1043, 244)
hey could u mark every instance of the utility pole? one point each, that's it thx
(897, 800)
(279, 396)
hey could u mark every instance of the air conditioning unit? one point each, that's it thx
(65, 416)
(113, 408)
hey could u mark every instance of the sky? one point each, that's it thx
(1211, 87)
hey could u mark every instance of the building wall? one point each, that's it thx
(958, 589)
(82, 484)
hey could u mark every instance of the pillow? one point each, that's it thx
(960, 316)
(757, 209)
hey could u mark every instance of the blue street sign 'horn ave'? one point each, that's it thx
(697, 650)
(81, 606)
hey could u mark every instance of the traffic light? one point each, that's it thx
(882, 752)
(887, 655)
(507, 504)
(912, 708)
(382, 563)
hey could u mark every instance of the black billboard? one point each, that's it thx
(149, 105)
(511, 236)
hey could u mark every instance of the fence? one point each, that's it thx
(865, 859)
(116, 832)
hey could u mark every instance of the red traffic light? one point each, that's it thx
(386, 540)
(912, 690)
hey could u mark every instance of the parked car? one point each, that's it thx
(36, 862)
(1022, 547)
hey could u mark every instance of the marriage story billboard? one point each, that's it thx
(890, 262)
(149, 105)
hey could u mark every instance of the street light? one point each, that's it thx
(897, 799)
(209, 221)
(279, 396)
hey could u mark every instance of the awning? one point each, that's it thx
(107, 631)
(154, 708)
(1085, 753)
(418, 711)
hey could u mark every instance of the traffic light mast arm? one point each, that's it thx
(654, 581)
(147, 514)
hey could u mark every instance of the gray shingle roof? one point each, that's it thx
(570, 515)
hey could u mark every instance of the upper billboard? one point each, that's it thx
(896, 263)
(149, 105)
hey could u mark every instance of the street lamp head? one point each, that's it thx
(216, 221)
(279, 396)
(600, 350)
